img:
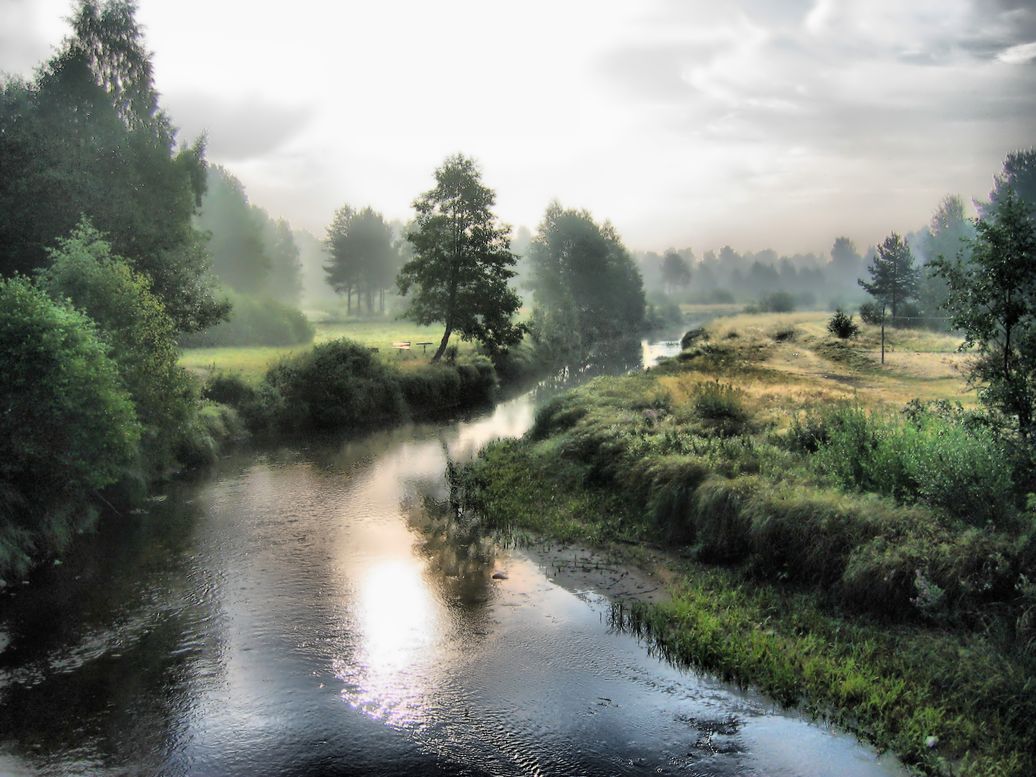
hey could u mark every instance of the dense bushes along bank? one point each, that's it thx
(342, 385)
(878, 567)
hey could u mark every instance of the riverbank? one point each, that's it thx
(825, 547)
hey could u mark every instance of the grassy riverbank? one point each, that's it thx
(826, 546)
(251, 362)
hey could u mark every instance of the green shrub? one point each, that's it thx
(721, 408)
(776, 302)
(68, 426)
(141, 334)
(255, 321)
(931, 459)
(337, 385)
(871, 313)
(842, 326)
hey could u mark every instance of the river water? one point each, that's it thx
(299, 611)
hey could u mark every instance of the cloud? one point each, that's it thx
(236, 129)
(1018, 55)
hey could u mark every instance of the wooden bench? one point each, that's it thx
(402, 345)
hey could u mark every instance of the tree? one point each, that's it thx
(133, 322)
(992, 299)
(67, 429)
(363, 256)
(948, 237)
(586, 286)
(235, 233)
(87, 136)
(676, 272)
(462, 261)
(1019, 175)
(894, 278)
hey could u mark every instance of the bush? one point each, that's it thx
(255, 322)
(68, 426)
(842, 326)
(939, 461)
(336, 385)
(721, 407)
(776, 302)
(870, 313)
(134, 323)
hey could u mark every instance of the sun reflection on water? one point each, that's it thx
(397, 627)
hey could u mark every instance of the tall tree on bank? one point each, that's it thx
(587, 288)
(87, 137)
(362, 256)
(462, 261)
(992, 299)
(948, 237)
(894, 278)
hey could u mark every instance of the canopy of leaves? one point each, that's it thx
(67, 424)
(586, 286)
(363, 255)
(992, 299)
(462, 261)
(134, 323)
(86, 136)
(894, 278)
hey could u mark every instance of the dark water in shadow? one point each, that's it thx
(298, 611)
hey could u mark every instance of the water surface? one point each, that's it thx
(299, 611)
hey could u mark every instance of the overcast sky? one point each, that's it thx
(757, 124)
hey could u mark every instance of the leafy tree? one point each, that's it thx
(894, 278)
(235, 233)
(363, 256)
(676, 272)
(462, 262)
(1019, 175)
(846, 261)
(87, 136)
(586, 286)
(67, 428)
(948, 237)
(136, 326)
(285, 279)
(992, 299)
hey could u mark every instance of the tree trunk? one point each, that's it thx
(442, 345)
(349, 301)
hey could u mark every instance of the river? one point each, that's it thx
(299, 611)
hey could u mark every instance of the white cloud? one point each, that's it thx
(1018, 55)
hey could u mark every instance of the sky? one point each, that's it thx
(686, 124)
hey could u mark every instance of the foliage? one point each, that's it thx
(948, 238)
(586, 286)
(87, 136)
(841, 325)
(992, 300)
(462, 261)
(68, 427)
(363, 256)
(775, 302)
(132, 320)
(871, 313)
(894, 278)
(1019, 176)
(255, 322)
(935, 458)
(336, 385)
(676, 272)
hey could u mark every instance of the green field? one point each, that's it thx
(252, 362)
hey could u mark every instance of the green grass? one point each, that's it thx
(901, 614)
(252, 362)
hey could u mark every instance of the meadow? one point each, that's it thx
(848, 536)
(251, 362)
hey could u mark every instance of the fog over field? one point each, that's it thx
(696, 124)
